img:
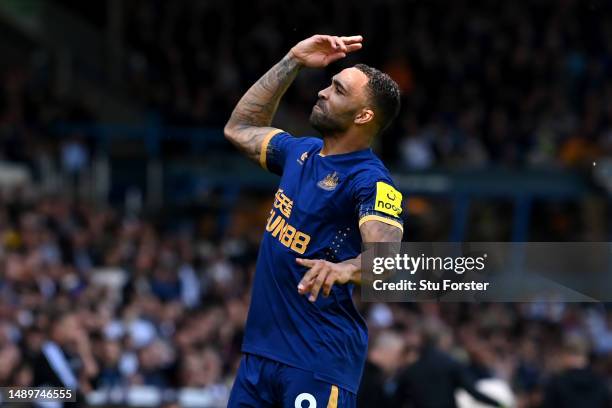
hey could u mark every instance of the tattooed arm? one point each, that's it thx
(251, 119)
(324, 274)
(252, 116)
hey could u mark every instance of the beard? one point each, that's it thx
(325, 123)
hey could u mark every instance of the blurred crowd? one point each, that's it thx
(30, 107)
(483, 82)
(164, 304)
(417, 352)
(155, 307)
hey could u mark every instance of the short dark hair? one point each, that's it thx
(384, 93)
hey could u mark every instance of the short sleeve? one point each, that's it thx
(377, 199)
(274, 150)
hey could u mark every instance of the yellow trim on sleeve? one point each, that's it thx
(333, 397)
(264, 147)
(386, 220)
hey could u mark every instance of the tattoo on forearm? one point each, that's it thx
(375, 231)
(255, 110)
(258, 105)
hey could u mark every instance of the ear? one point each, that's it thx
(364, 117)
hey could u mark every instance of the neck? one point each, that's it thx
(343, 143)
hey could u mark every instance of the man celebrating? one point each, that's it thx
(301, 349)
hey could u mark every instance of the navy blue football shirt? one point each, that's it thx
(320, 203)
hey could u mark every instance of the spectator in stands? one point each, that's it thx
(576, 385)
(433, 379)
(385, 357)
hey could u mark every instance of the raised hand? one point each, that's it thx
(319, 50)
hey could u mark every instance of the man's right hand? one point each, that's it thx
(319, 51)
(251, 119)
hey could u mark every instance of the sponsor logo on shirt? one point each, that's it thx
(388, 199)
(283, 203)
(278, 224)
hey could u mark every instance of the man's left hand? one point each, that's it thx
(322, 274)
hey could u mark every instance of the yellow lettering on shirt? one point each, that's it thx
(283, 203)
(280, 228)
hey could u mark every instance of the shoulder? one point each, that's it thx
(280, 137)
(309, 142)
(278, 145)
(304, 146)
(370, 171)
(375, 193)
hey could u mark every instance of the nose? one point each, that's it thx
(323, 93)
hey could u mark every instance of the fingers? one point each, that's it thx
(318, 283)
(331, 41)
(334, 57)
(352, 43)
(327, 285)
(305, 284)
(336, 43)
(352, 39)
(306, 262)
(340, 44)
(319, 276)
(354, 47)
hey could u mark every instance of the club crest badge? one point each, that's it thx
(303, 158)
(330, 182)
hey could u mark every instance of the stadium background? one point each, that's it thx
(129, 227)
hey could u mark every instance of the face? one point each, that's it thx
(341, 103)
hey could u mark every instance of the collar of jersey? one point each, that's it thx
(340, 155)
